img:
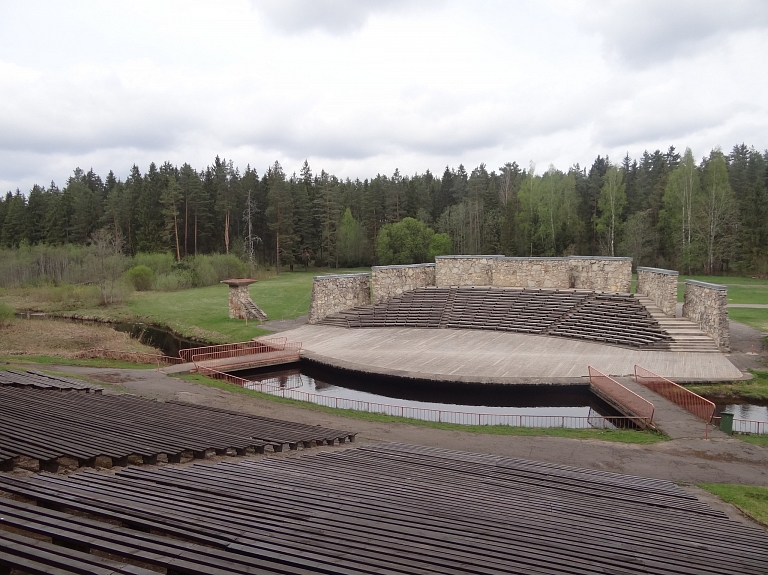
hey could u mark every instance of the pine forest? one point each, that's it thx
(664, 209)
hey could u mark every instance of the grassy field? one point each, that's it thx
(623, 436)
(199, 313)
(755, 388)
(750, 499)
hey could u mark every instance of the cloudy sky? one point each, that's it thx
(362, 87)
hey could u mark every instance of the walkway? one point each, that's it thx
(476, 356)
(671, 419)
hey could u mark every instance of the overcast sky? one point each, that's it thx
(364, 87)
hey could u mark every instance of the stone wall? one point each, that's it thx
(391, 281)
(238, 295)
(551, 273)
(580, 272)
(659, 285)
(464, 270)
(600, 273)
(334, 293)
(707, 305)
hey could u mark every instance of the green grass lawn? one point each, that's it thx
(752, 500)
(755, 388)
(740, 289)
(623, 436)
(203, 313)
(199, 313)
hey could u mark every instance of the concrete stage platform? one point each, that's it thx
(476, 356)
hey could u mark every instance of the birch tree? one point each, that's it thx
(611, 204)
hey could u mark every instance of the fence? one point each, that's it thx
(129, 356)
(744, 426)
(697, 405)
(620, 397)
(275, 343)
(425, 414)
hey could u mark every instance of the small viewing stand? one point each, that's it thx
(241, 306)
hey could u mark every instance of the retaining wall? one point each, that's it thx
(707, 305)
(659, 285)
(601, 273)
(464, 270)
(391, 281)
(531, 273)
(334, 293)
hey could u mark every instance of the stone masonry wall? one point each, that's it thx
(464, 270)
(531, 273)
(391, 281)
(237, 298)
(659, 285)
(707, 305)
(334, 293)
(601, 273)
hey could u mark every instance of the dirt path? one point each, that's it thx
(682, 461)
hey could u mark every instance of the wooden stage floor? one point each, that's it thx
(494, 357)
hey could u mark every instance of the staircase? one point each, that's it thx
(253, 311)
(686, 335)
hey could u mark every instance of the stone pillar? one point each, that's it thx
(391, 281)
(707, 305)
(659, 285)
(335, 293)
(238, 296)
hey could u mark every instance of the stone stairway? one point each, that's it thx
(254, 311)
(686, 335)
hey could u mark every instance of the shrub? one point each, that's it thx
(163, 263)
(6, 314)
(180, 279)
(140, 277)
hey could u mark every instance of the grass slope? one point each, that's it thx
(755, 388)
(752, 500)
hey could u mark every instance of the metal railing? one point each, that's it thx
(615, 393)
(426, 414)
(252, 356)
(744, 426)
(274, 342)
(697, 405)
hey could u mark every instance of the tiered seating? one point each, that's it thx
(613, 318)
(518, 310)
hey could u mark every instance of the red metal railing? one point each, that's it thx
(611, 389)
(252, 356)
(274, 342)
(697, 405)
(426, 414)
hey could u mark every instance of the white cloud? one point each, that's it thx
(364, 87)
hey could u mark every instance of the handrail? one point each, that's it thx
(427, 414)
(274, 342)
(697, 405)
(261, 354)
(625, 397)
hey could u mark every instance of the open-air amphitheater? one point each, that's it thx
(495, 319)
(102, 482)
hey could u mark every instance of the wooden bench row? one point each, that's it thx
(385, 509)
